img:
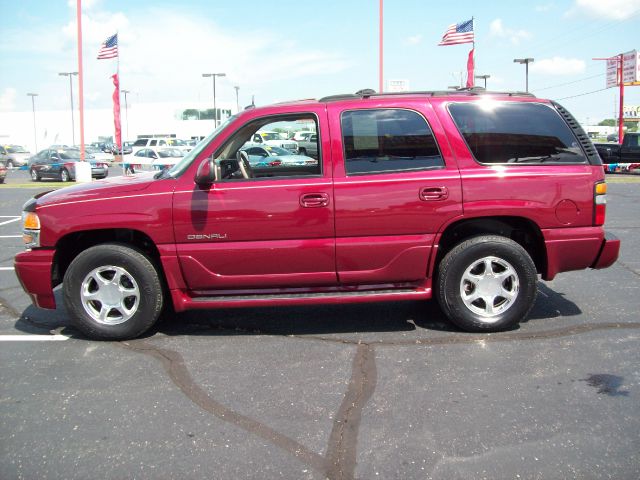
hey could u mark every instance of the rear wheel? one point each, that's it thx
(487, 284)
(112, 292)
(302, 151)
(9, 163)
(34, 175)
(64, 175)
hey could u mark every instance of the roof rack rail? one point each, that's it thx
(367, 93)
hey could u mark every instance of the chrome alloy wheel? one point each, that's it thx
(110, 295)
(489, 287)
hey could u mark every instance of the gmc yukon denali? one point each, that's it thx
(463, 196)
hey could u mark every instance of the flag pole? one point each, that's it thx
(473, 48)
(118, 73)
(80, 79)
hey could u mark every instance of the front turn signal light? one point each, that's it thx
(30, 229)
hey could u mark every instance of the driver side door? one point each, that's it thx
(274, 229)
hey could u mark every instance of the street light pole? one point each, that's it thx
(526, 62)
(483, 77)
(33, 107)
(126, 110)
(73, 128)
(237, 102)
(215, 109)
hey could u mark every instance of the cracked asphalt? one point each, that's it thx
(358, 391)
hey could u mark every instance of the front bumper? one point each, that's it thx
(33, 269)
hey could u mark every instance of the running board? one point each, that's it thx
(183, 301)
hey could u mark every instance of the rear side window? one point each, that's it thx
(509, 132)
(140, 143)
(388, 140)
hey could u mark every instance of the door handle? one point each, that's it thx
(313, 200)
(434, 193)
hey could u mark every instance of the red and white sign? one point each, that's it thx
(630, 69)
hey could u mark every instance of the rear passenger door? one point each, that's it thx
(395, 186)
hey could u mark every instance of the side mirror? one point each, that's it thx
(207, 173)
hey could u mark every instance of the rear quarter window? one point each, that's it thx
(516, 133)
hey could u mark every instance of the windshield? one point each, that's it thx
(70, 155)
(170, 152)
(183, 164)
(278, 151)
(16, 149)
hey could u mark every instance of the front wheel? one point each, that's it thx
(64, 175)
(112, 292)
(34, 175)
(487, 284)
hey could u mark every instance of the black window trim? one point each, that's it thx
(382, 172)
(546, 163)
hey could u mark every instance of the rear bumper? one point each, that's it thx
(33, 269)
(578, 248)
(608, 253)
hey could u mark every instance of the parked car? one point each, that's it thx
(3, 171)
(465, 196)
(269, 157)
(13, 155)
(92, 152)
(274, 139)
(628, 152)
(180, 144)
(60, 164)
(613, 137)
(309, 145)
(302, 135)
(150, 142)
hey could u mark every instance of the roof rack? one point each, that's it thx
(368, 93)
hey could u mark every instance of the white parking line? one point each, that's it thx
(13, 219)
(10, 236)
(33, 338)
(6, 269)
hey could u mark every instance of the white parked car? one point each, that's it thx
(156, 158)
(151, 142)
(273, 139)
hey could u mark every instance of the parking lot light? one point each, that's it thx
(73, 128)
(213, 77)
(33, 107)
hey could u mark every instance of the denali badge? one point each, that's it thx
(207, 236)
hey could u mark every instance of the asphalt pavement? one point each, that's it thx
(358, 391)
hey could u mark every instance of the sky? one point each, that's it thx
(285, 50)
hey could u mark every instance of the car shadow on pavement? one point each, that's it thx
(303, 320)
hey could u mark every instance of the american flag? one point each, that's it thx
(458, 33)
(109, 48)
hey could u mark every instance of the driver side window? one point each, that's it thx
(265, 148)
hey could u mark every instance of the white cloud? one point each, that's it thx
(8, 100)
(558, 66)
(414, 40)
(609, 9)
(497, 29)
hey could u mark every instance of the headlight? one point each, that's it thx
(30, 229)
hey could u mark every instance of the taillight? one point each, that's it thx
(599, 203)
(275, 163)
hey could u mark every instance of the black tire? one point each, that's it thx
(9, 163)
(64, 175)
(34, 175)
(2, 180)
(463, 273)
(302, 151)
(135, 314)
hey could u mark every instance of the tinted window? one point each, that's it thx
(388, 140)
(503, 132)
(140, 143)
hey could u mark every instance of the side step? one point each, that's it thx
(183, 301)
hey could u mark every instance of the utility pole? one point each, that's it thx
(526, 62)
(215, 110)
(33, 107)
(73, 128)
(237, 102)
(126, 110)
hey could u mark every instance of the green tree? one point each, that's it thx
(608, 122)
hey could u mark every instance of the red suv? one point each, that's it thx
(465, 196)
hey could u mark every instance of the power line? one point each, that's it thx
(568, 83)
(582, 94)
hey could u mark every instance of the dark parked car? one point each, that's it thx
(613, 137)
(60, 164)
